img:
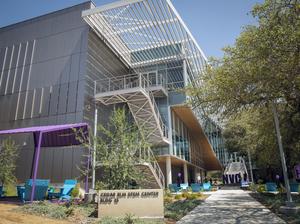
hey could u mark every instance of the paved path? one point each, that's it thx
(230, 206)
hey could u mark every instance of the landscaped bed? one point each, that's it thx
(274, 201)
(176, 206)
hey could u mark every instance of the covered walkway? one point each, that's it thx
(231, 206)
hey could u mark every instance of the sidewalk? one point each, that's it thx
(230, 206)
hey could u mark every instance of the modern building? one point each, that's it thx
(69, 65)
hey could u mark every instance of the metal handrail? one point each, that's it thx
(133, 81)
(146, 155)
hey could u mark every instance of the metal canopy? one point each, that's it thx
(53, 136)
(143, 32)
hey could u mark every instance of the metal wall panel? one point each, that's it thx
(72, 97)
(54, 100)
(45, 101)
(63, 94)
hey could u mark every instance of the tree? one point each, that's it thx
(262, 67)
(8, 158)
(117, 149)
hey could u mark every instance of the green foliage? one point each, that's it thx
(167, 193)
(75, 212)
(129, 219)
(261, 188)
(178, 196)
(100, 186)
(180, 208)
(261, 68)
(168, 199)
(8, 158)
(46, 209)
(75, 191)
(10, 190)
(191, 196)
(117, 146)
(185, 194)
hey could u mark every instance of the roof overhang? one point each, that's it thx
(186, 114)
(143, 32)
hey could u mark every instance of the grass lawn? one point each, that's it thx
(274, 201)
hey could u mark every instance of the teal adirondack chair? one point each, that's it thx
(294, 187)
(271, 186)
(207, 186)
(41, 187)
(174, 188)
(196, 187)
(65, 191)
(1, 191)
(184, 186)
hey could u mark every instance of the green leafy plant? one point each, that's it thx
(129, 219)
(75, 191)
(117, 147)
(178, 196)
(261, 188)
(192, 196)
(8, 158)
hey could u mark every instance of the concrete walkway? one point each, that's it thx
(230, 206)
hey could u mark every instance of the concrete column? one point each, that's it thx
(168, 171)
(185, 173)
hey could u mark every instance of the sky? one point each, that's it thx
(214, 23)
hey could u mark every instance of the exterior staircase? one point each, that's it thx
(154, 177)
(135, 91)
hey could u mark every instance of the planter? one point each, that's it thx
(294, 187)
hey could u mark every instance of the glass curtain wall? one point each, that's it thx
(181, 138)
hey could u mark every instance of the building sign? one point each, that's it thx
(232, 178)
(147, 203)
(297, 172)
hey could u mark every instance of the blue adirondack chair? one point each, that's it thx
(65, 191)
(41, 187)
(271, 186)
(174, 188)
(244, 184)
(207, 186)
(294, 187)
(184, 186)
(196, 187)
(1, 191)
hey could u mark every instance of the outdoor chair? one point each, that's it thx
(207, 186)
(41, 187)
(64, 192)
(184, 186)
(244, 184)
(271, 187)
(174, 188)
(1, 191)
(196, 187)
(294, 187)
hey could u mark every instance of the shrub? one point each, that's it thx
(199, 194)
(100, 186)
(261, 188)
(178, 196)
(253, 187)
(192, 196)
(167, 193)
(168, 199)
(129, 219)
(47, 209)
(185, 194)
(75, 191)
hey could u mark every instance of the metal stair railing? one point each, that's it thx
(146, 156)
(133, 81)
